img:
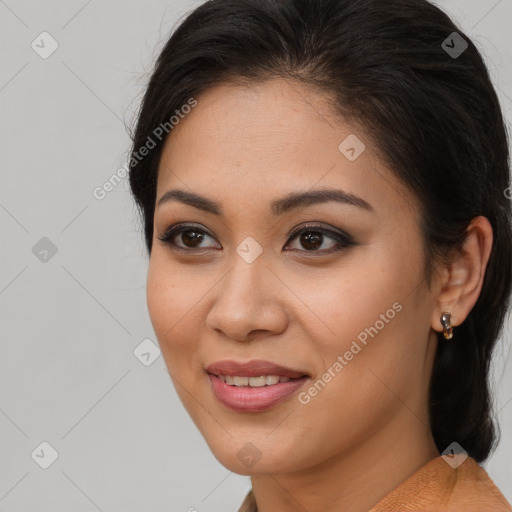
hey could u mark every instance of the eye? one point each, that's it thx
(191, 236)
(312, 238)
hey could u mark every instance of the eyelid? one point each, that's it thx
(312, 226)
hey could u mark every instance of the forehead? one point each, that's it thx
(269, 117)
(256, 139)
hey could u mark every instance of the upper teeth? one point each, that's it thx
(255, 382)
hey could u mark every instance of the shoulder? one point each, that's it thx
(437, 486)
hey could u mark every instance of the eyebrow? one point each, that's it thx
(292, 201)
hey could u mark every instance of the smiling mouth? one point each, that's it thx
(253, 386)
(254, 382)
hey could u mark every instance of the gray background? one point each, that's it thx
(70, 324)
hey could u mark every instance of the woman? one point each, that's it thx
(323, 185)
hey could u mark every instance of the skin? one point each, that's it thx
(302, 307)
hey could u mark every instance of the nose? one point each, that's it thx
(249, 300)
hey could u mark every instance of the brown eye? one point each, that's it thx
(312, 239)
(191, 237)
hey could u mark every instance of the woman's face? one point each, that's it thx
(340, 309)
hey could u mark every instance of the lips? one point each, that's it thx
(254, 386)
(255, 368)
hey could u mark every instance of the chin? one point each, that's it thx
(247, 458)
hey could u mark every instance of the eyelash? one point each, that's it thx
(343, 240)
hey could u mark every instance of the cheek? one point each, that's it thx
(368, 315)
(351, 303)
(171, 305)
(160, 295)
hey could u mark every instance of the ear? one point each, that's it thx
(463, 277)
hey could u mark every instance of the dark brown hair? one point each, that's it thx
(434, 116)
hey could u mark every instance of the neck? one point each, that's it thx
(356, 479)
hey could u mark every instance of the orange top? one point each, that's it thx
(436, 487)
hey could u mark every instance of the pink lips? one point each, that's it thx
(253, 399)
